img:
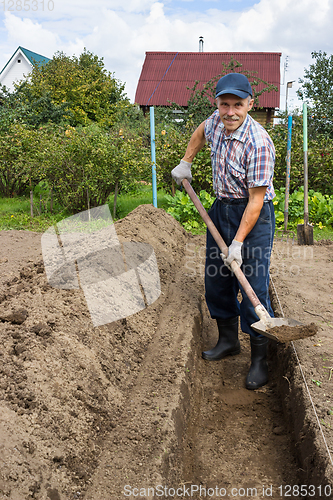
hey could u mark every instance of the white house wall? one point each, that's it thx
(15, 71)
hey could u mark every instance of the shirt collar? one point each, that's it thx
(240, 133)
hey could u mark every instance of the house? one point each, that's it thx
(168, 77)
(19, 66)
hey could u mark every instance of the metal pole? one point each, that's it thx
(286, 199)
(289, 86)
(153, 154)
(305, 152)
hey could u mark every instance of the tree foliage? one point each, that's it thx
(78, 163)
(317, 89)
(86, 163)
(20, 161)
(74, 90)
(320, 158)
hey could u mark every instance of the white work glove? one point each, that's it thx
(182, 171)
(234, 253)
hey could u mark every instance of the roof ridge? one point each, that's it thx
(29, 54)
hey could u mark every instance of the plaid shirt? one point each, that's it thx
(242, 160)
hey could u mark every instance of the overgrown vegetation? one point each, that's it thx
(320, 207)
(316, 88)
(183, 210)
(68, 90)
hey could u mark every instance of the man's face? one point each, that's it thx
(233, 110)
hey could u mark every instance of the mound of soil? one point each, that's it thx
(85, 411)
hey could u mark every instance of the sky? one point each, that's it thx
(121, 31)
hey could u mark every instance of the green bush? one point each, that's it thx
(20, 165)
(183, 210)
(171, 144)
(88, 162)
(320, 207)
(320, 159)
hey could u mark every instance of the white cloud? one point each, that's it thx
(121, 32)
(29, 34)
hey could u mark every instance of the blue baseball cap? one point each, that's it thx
(234, 83)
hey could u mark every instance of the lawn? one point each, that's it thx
(15, 212)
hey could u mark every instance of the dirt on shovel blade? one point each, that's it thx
(287, 333)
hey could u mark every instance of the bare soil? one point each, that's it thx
(287, 333)
(130, 409)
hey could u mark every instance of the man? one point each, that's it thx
(243, 157)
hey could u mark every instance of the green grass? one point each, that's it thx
(326, 233)
(10, 206)
(15, 212)
(129, 201)
(322, 234)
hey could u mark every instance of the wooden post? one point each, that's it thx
(88, 202)
(51, 203)
(31, 203)
(115, 200)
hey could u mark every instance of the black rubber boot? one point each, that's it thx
(228, 343)
(258, 374)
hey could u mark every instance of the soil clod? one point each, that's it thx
(289, 333)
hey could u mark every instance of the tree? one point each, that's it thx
(78, 91)
(34, 112)
(317, 89)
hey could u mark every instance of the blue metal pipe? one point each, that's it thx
(286, 199)
(153, 154)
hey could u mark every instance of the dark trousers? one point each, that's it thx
(221, 285)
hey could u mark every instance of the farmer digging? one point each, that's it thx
(243, 156)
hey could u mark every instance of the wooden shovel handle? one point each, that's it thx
(221, 244)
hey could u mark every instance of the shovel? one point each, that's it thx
(305, 231)
(266, 322)
(287, 231)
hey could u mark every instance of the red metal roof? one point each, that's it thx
(165, 76)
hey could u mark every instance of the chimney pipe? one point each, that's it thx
(201, 41)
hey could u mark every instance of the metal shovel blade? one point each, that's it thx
(262, 328)
(305, 234)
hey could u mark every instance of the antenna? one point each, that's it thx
(285, 68)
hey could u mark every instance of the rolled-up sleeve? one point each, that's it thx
(260, 165)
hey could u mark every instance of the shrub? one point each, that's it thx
(320, 159)
(182, 209)
(171, 145)
(88, 162)
(20, 163)
(320, 207)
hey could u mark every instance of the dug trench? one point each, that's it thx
(131, 410)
